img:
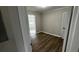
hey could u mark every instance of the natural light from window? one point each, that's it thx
(32, 25)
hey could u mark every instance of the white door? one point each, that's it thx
(65, 22)
(65, 25)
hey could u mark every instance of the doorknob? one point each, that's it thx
(64, 28)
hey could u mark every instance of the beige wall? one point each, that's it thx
(52, 20)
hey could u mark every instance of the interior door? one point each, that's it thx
(65, 25)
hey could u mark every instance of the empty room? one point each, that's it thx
(39, 28)
(48, 27)
(45, 29)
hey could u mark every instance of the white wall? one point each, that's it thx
(38, 19)
(12, 24)
(16, 28)
(52, 20)
(10, 45)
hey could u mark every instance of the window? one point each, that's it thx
(32, 25)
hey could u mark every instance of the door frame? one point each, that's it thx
(66, 39)
(24, 22)
(23, 18)
(71, 35)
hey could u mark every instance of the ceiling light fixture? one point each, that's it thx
(42, 6)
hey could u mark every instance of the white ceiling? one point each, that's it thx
(40, 9)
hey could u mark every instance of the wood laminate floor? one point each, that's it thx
(47, 43)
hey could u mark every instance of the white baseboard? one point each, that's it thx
(49, 33)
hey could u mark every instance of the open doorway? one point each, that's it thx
(48, 27)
